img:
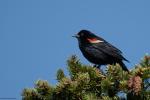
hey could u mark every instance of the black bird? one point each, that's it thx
(98, 51)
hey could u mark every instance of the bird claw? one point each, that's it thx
(97, 66)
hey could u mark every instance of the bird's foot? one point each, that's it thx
(97, 66)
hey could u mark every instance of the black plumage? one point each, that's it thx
(99, 51)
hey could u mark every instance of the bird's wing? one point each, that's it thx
(110, 50)
(108, 45)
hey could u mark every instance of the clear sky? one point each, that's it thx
(35, 36)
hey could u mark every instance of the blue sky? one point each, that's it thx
(35, 36)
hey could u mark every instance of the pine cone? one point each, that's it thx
(135, 84)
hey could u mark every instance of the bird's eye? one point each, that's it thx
(82, 34)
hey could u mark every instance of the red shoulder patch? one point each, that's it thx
(91, 39)
(94, 40)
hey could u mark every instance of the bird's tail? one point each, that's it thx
(124, 67)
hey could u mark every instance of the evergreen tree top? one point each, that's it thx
(88, 83)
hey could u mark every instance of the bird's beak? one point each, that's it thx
(76, 36)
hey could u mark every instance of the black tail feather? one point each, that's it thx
(124, 67)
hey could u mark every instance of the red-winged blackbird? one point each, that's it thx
(99, 51)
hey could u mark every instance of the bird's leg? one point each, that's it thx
(97, 66)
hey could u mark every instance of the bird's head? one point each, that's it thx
(85, 36)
